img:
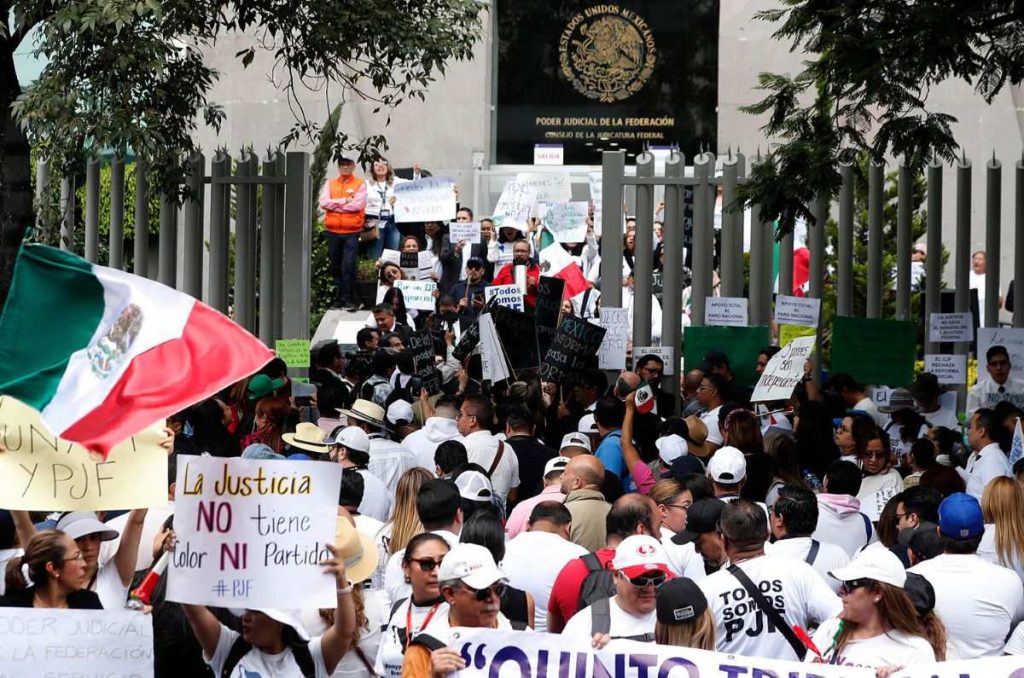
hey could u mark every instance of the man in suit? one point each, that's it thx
(455, 256)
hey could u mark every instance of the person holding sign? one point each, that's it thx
(999, 385)
(57, 571)
(520, 257)
(273, 642)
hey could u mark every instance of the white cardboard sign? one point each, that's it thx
(948, 368)
(784, 371)
(252, 533)
(1010, 338)
(801, 311)
(726, 311)
(567, 221)
(466, 231)
(612, 354)
(944, 327)
(418, 294)
(428, 199)
(492, 355)
(596, 180)
(509, 296)
(515, 206)
(666, 353)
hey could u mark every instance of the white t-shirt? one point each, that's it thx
(977, 601)
(391, 652)
(942, 417)
(986, 393)
(894, 648)
(257, 663)
(394, 578)
(533, 561)
(6, 555)
(683, 559)
(481, 447)
(1015, 645)
(896, 442)
(112, 592)
(868, 406)
(371, 527)
(982, 466)
(710, 419)
(876, 491)
(987, 550)
(376, 501)
(351, 666)
(579, 631)
(829, 557)
(151, 526)
(388, 461)
(795, 589)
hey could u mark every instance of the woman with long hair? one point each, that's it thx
(684, 619)
(783, 467)
(405, 522)
(815, 442)
(57, 575)
(881, 480)
(1002, 504)
(380, 202)
(852, 434)
(271, 418)
(742, 430)
(674, 500)
(879, 626)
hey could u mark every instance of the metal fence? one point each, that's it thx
(705, 181)
(265, 204)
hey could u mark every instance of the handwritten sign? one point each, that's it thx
(467, 231)
(612, 354)
(947, 368)
(252, 533)
(1012, 339)
(567, 221)
(801, 311)
(944, 327)
(41, 472)
(51, 642)
(667, 354)
(784, 371)
(573, 349)
(421, 343)
(515, 206)
(294, 352)
(550, 186)
(429, 199)
(596, 181)
(549, 310)
(418, 294)
(725, 312)
(509, 296)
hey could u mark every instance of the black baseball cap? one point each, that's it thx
(702, 518)
(680, 600)
(924, 540)
(474, 262)
(713, 359)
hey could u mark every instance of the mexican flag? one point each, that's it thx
(557, 263)
(102, 354)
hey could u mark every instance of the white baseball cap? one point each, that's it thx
(587, 423)
(877, 564)
(727, 466)
(398, 411)
(576, 439)
(351, 437)
(474, 486)
(292, 618)
(471, 564)
(671, 447)
(638, 554)
(555, 464)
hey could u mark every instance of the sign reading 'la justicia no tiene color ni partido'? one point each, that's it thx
(606, 76)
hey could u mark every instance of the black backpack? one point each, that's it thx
(239, 648)
(598, 584)
(601, 622)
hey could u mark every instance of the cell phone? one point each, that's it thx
(303, 401)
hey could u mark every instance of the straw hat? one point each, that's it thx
(357, 549)
(307, 436)
(696, 441)
(368, 411)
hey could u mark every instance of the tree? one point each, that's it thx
(130, 75)
(865, 88)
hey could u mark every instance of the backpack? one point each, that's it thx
(597, 585)
(601, 622)
(239, 648)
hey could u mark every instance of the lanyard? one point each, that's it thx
(408, 621)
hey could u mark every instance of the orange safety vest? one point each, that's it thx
(345, 223)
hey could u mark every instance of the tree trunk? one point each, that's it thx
(16, 212)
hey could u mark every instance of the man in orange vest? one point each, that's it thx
(343, 200)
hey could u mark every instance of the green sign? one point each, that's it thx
(294, 352)
(788, 333)
(874, 351)
(741, 344)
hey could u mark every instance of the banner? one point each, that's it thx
(1010, 338)
(666, 353)
(510, 654)
(418, 294)
(947, 368)
(943, 327)
(874, 351)
(612, 354)
(986, 667)
(575, 344)
(509, 296)
(801, 311)
(549, 310)
(515, 206)
(41, 472)
(784, 371)
(251, 533)
(741, 344)
(567, 221)
(726, 311)
(428, 199)
(468, 232)
(53, 642)
(492, 357)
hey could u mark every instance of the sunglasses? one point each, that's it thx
(426, 564)
(848, 587)
(645, 580)
(483, 595)
(876, 455)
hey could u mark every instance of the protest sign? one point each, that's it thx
(416, 265)
(421, 343)
(418, 294)
(508, 654)
(549, 308)
(515, 206)
(509, 296)
(873, 350)
(518, 335)
(784, 371)
(428, 199)
(943, 327)
(549, 186)
(801, 311)
(666, 353)
(567, 221)
(788, 333)
(612, 354)
(391, 256)
(468, 341)
(41, 472)
(465, 231)
(492, 356)
(1010, 338)
(948, 368)
(53, 642)
(596, 180)
(294, 352)
(251, 533)
(741, 344)
(726, 312)
(576, 342)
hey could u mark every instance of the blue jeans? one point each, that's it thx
(388, 238)
(342, 251)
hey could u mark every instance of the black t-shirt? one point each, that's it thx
(532, 455)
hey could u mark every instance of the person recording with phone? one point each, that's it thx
(469, 293)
